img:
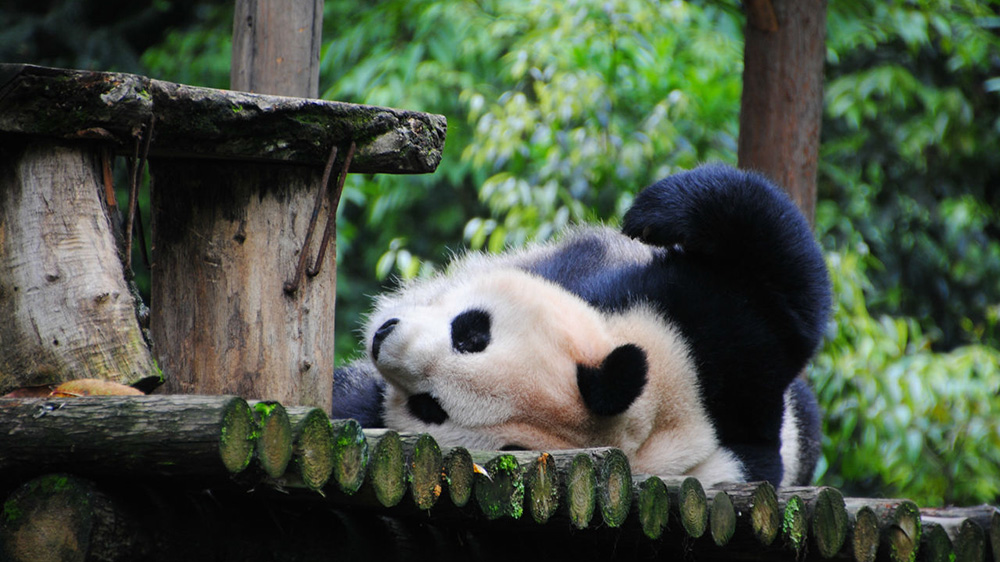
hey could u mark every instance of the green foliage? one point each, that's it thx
(601, 99)
(902, 420)
(911, 155)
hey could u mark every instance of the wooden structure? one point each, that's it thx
(216, 478)
(239, 302)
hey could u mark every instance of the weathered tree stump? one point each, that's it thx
(67, 309)
(236, 183)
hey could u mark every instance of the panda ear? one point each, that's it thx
(612, 387)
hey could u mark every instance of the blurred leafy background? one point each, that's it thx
(559, 111)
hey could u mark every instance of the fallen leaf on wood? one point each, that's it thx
(93, 387)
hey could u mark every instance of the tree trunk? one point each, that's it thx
(276, 47)
(67, 310)
(782, 103)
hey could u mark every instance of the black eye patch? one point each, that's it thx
(470, 331)
(425, 408)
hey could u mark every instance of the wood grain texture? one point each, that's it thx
(66, 308)
(276, 47)
(227, 238)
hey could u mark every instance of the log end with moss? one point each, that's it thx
(542, 480)
(722, 518)
(692, 507)
(614, 487)
(426, 471)
(274, 439)
(387, 468)
(830, 522)
(312, 456)
(581, 484)
(765, 515)
(502, 493)
(458, 474)
(350, 455)
(653, 505)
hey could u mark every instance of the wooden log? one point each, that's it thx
(865, 534)
(350, 455)
(195, 122)
(692, 506)
(63, 518)
(387, 467)
(722, 518)
(68, 311)
(202, 436)
(653, 505)
(276, 47)
(459, 475)
(312, 449)
(898, 524)
(614, 487)
(830, 522)
(782, 106)
(935, 545)
(425, 466)
(795, 524)
(760, 501)
(273, 448)
(544, 484)
(502, 494)
(968, 529)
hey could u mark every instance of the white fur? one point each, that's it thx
(789, 442)
(522, 389)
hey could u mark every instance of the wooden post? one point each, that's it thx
(67, 310)
(782, 103)
(276, 47)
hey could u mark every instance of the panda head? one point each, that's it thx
(500, 359)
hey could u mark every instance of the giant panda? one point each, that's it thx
(679, 339)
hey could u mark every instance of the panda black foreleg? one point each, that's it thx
(359, 393)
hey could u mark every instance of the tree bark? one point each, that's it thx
(67, 309)
(138, 435)
(276, 47)
(782, 106)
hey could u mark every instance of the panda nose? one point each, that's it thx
(380, 335)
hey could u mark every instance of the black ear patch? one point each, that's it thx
(470, 331)
(426, 409)
(612, 387)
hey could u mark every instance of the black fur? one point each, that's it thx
(612, 387)
(426, 408)
(470, 331)
(359, 393)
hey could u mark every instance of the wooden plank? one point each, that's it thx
(194, 122)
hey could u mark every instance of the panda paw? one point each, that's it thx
(660, 216)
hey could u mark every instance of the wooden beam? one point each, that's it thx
(205, 123)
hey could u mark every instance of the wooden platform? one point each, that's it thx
(215, 478)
